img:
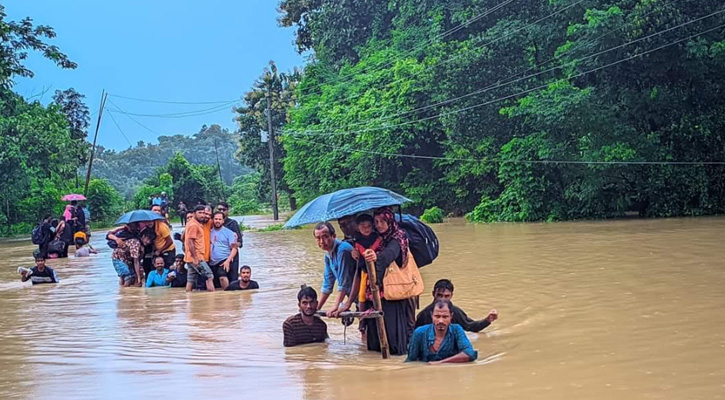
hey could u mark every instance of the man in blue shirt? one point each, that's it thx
(224, 247)
(441, 342)
(339, 265)
(158, 276)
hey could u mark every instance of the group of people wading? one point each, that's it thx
(435, 336)
(54, 236)
(144, 253)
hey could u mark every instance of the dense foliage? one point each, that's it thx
(491, 96)
(41, 147)
(252, 120)
(127, 169)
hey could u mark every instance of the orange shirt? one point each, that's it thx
(163, 232)
(207, 240)
(194, 239)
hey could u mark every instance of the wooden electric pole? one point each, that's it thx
(104, 96)
(270, 139)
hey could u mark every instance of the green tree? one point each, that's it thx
(252, 120)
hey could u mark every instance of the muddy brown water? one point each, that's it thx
(590, 310)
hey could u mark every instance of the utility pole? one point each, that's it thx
(270, 138)
(104, 96)
(219, 168)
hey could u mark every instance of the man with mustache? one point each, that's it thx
(441, 342)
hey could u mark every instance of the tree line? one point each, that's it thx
(510, 110)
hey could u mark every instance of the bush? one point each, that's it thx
(433, 215)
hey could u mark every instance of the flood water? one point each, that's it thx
(588, 310)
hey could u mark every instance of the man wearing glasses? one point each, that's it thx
(233, 225)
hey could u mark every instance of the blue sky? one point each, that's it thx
(184, 51)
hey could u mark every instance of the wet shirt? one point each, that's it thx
(234, 226)
(83, 252)
(236, 285)
(156, 279)
(297, 332)
(340, 267)
(194, 238)
(222, 240)
(453, 343)
(459, 317)
(162, 232)
(180, 279)
(47, 275)
(131, 250)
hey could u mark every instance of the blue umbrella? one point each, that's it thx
(138, 216)
(343, 203)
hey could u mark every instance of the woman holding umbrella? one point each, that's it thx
(399, 315)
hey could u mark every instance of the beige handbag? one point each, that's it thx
(402, 283)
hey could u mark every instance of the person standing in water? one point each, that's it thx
(245, 281)
(39, 273)
(304, 327)
(443, 290)
(441, 342)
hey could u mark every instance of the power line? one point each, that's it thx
(507, 82)
(485, 13)
(515, 94)
(133, 119)
(503, 161)
(171, 102)
(119, 128)
(185, 114)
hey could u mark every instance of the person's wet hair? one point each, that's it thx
(306, 291)
(443, 284)
(364, 218)
(79, 242)
(443, 304)
(148, 233)
(179, 256)
(250, 269)
(38, 255)
(323, 225)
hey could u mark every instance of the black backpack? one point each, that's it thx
(423, 241)
(37, 237)
(123, 234)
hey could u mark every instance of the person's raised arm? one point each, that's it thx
(467, 323)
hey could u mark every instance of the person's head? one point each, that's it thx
(307, 300)
(54, 222)
(443, 290)
(159, 264)
(47, 218)
(385, 220)
(189, 215)
(163, 194)
(218, 219)
(209, 210)
(347, 225)
(200, 214)
(39, 259)
(245, 274)
(325, 236)
(365, 224)
(223, 207)
(442, 314)
(157, 209)
(73, 203)
(179, 262)
(79, 243)
(147, 237)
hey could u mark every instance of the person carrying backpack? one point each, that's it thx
(42, 235)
